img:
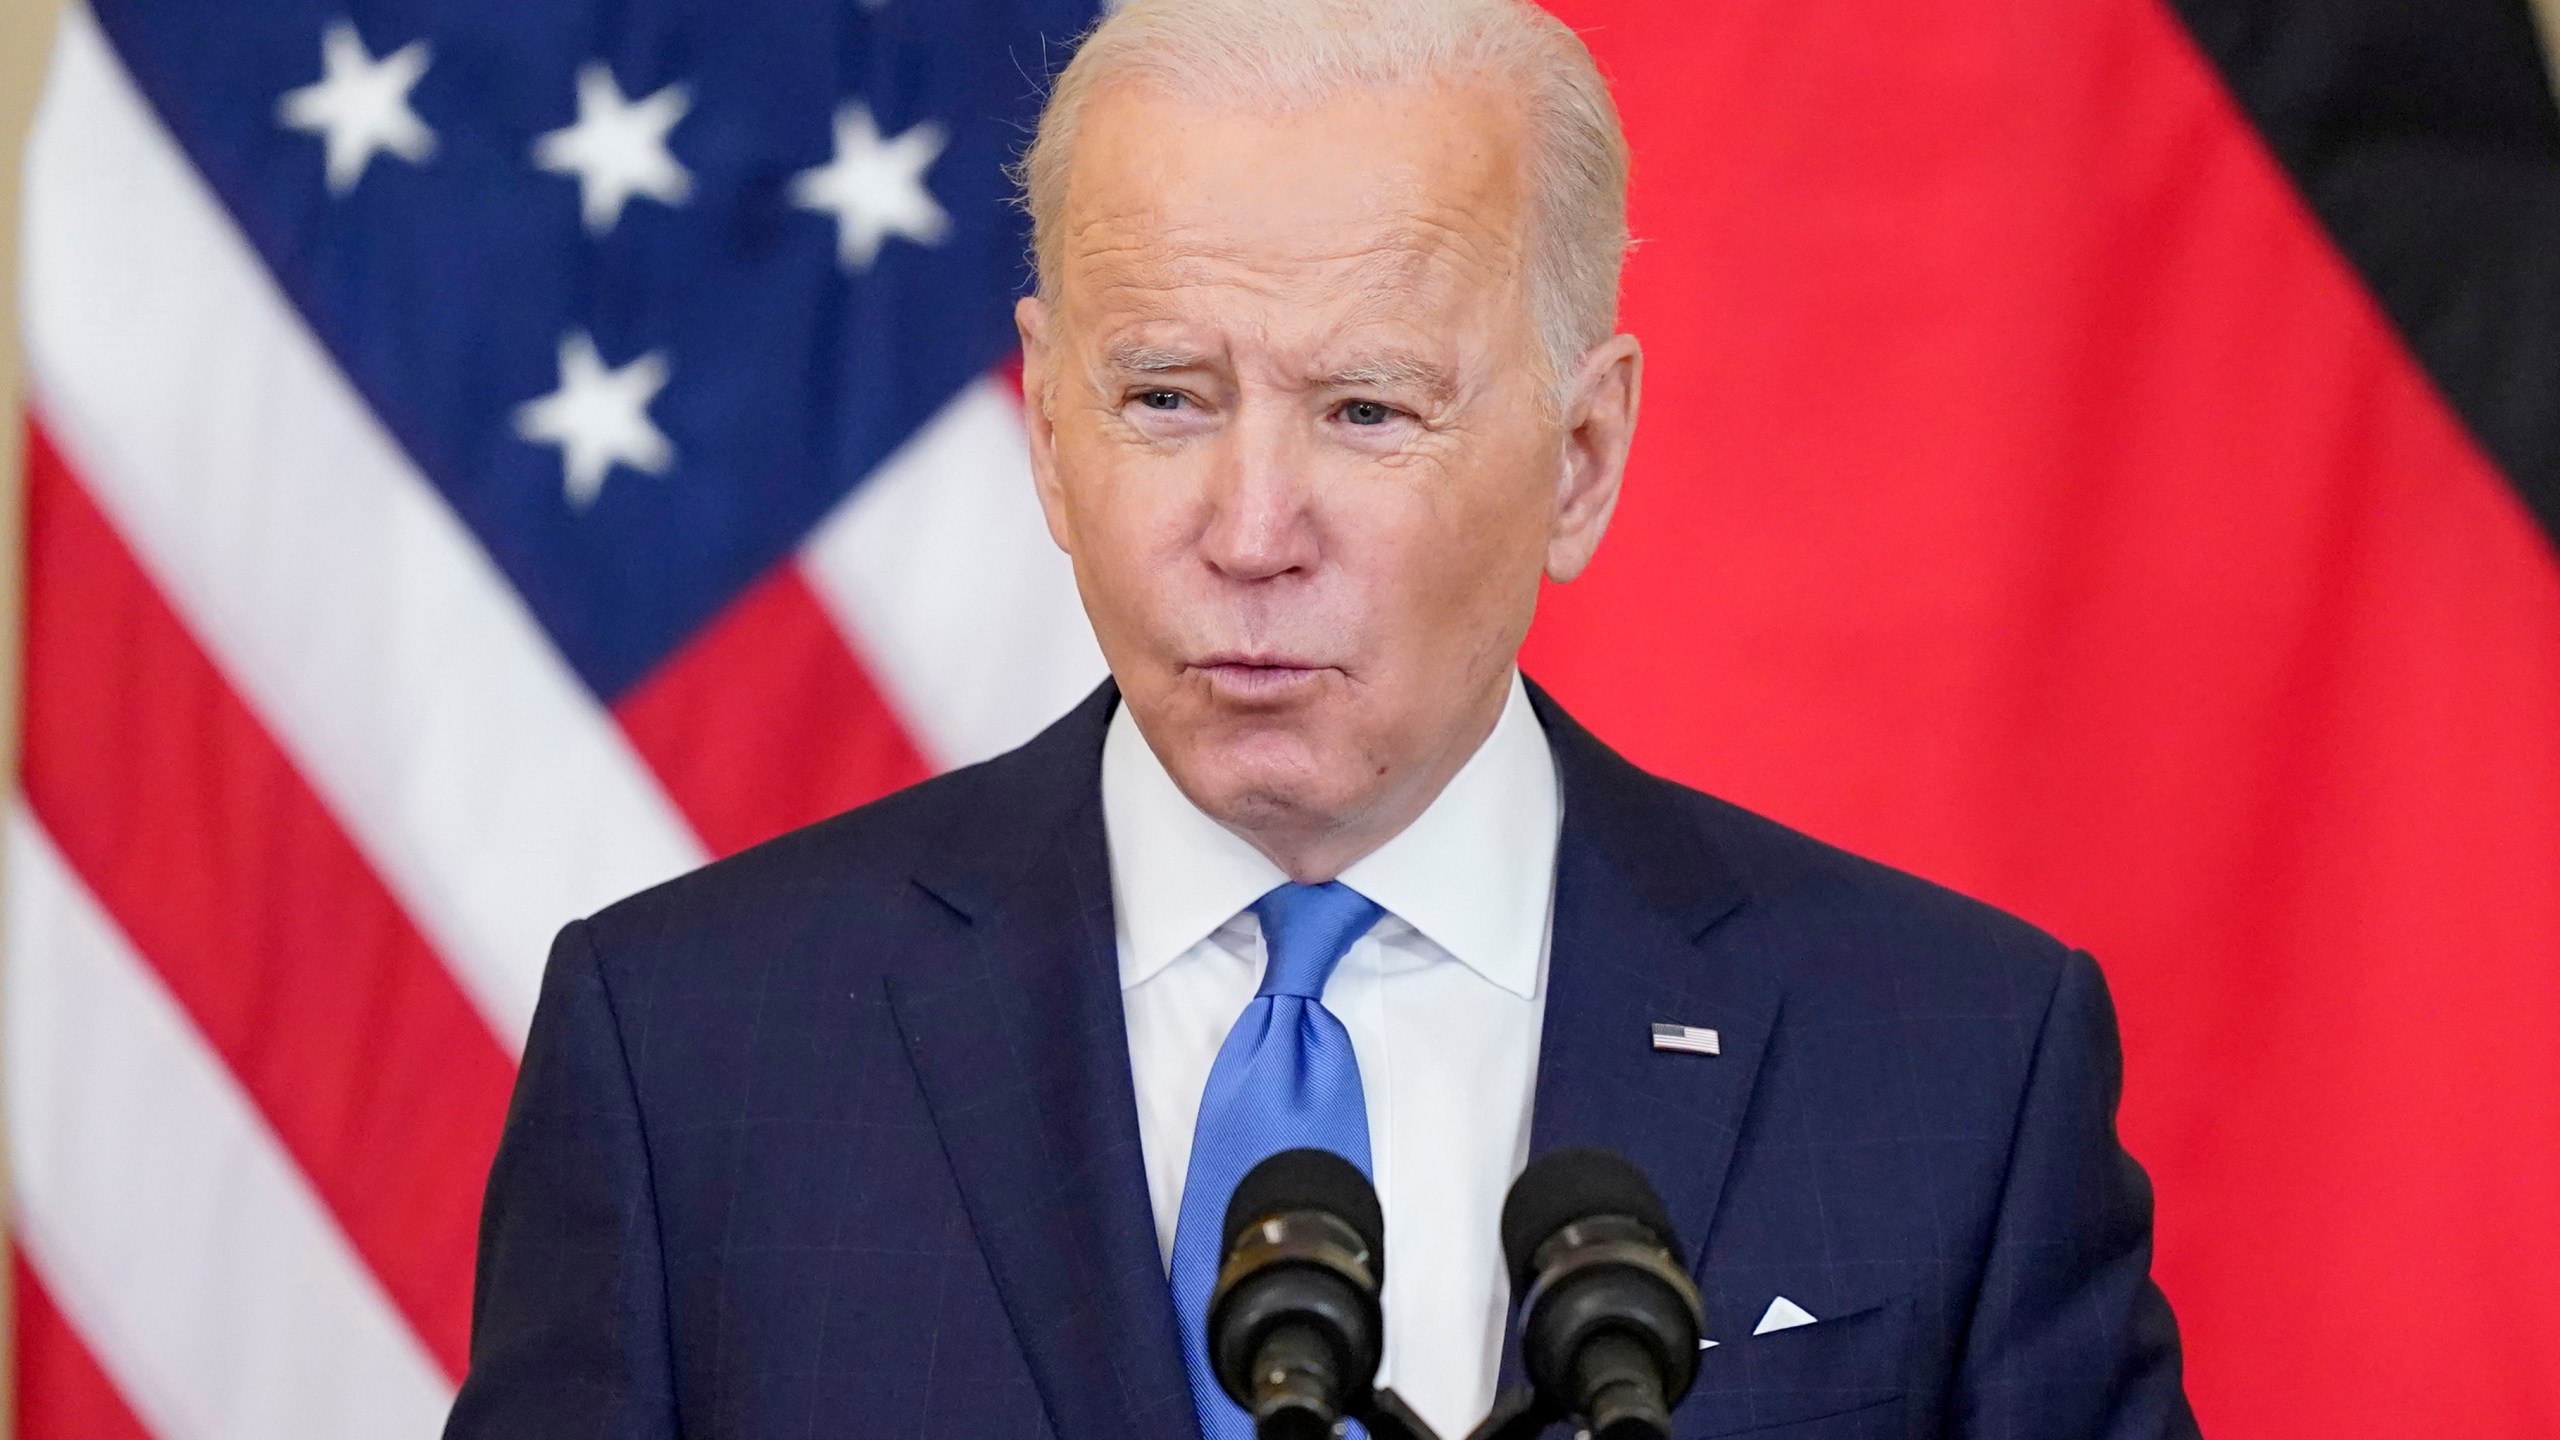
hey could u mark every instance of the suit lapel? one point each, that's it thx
(1016, 1032)
(1638, 889)
(1012, 1017)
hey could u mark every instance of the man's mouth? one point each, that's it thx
(1258, 676)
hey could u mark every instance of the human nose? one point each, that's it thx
(1259, 522)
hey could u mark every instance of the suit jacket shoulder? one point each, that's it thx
(955, 841)
(1852, 924)
(961, 837)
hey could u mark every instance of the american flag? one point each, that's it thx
(486, 458)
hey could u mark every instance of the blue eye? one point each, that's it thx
(1367, 412)
(1160, 399)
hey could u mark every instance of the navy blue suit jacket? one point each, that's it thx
(837, 1137)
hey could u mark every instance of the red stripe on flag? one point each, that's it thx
(232, 879)
(2029, 494)
(766, 721)
(61, 1393)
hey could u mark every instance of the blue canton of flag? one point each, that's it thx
(644, 290)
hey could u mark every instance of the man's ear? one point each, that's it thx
(1599, 426)
(1031, 319)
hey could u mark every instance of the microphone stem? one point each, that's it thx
(1622, 1390)
(1295, 1382)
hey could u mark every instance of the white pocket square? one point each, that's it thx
(1782, 1314)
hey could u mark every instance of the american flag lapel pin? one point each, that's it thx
(1688, 1039)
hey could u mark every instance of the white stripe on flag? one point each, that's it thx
(942, 575)
(358, 617)
(174, 1232)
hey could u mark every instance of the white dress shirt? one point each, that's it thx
(1443, 1000)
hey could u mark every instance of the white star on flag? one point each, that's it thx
(875, 187)
(599, 417)
(618, 148)
(360, 106)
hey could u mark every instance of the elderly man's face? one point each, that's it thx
(1291, 423)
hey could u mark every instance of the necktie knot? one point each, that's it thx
(1306, 930)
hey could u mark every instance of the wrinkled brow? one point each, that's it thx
(1131, 358)
(1377, 372)
(1391, 372)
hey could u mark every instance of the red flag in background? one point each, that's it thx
(2091, 456)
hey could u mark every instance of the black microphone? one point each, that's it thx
(1294, 1324)
(1609, 1321)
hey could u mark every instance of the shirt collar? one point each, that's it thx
(1475, 872)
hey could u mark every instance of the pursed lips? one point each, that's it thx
(1260, 676)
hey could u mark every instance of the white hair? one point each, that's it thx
(1289, 55)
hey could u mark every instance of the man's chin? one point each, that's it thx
(1259, 779)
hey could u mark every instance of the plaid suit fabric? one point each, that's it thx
(837, 1137)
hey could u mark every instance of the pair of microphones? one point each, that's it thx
(1608, 1321)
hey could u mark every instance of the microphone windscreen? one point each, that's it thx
(1563, 1186)
(1306, 1180)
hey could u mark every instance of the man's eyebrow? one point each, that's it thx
(1391, 372)
(1129, 357)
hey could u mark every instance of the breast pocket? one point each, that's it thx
(1847, 1367)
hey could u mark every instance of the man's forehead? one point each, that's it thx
(1135, 271)
(1161, 292)
(1165, 190)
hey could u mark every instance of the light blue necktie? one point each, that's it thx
(1285, 1078)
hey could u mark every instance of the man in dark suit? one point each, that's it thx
(917, 1122)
